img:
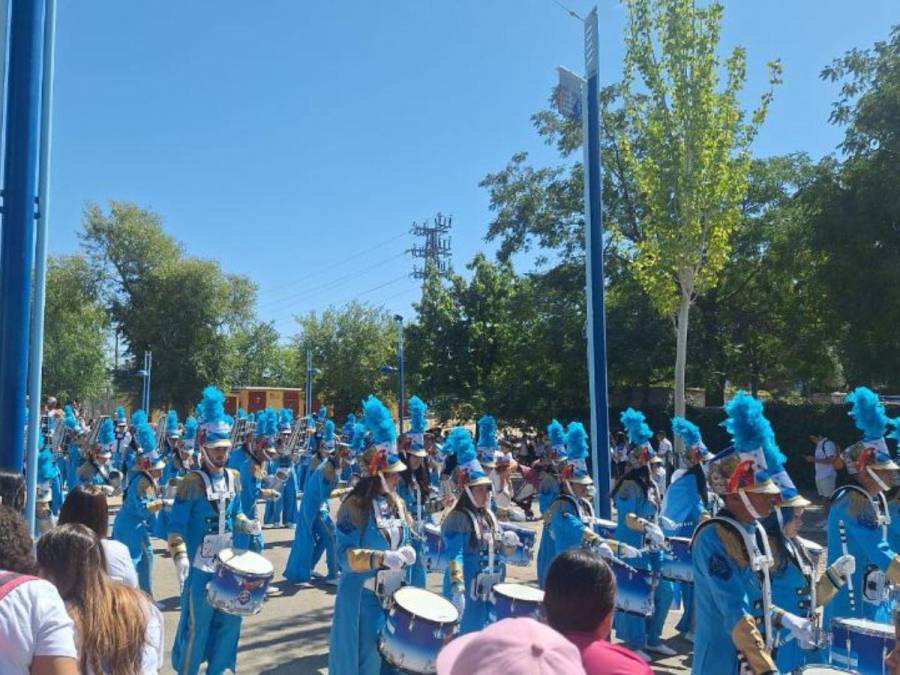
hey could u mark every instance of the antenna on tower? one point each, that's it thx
(435, 246)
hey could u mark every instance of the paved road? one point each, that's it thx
(290, 635)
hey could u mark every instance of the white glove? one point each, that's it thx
(510, 538)
(799, 627)
(394, 560)
(626, 551)
(459, 600)
(604, 550)
(668, 523)
(844, 566)
(654, 535)
(408, 553)
(108, 490)
(255, 528)
(182, 568)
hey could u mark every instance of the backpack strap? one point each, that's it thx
(10, 581)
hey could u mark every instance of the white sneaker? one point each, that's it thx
(661, 649)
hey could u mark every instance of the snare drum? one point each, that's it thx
(509, 601)
(605, 528)
(435, 560)
(861, 644)
(816, 669)
(522, 554)
(418, 625)
(634, 592)
(240, 581)
(677, 563)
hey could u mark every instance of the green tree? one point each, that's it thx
(76, 331)
(256, 358)
(182, 309)
(855, 213)
(687, 144)
(349, 345)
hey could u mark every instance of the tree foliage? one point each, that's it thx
(76, 329)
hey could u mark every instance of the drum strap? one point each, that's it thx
(103, 471)
(879, 503)
(211, 494)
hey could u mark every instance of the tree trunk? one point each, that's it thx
(681, 335)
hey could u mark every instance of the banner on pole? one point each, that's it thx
(569, 94)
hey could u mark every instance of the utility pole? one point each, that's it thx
(402, 366)
(435, 246)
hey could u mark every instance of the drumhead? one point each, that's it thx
(520, 592)
(822, 670)
(426, 605)
(431, 527)
(811, 546)
(246, 562)
(865, 627)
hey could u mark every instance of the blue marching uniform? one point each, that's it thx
(133, 525)
(253, 475)
(548, 489)
(417, 507)
(894, 513)
(685, 506)
(48, 472)
(283, 511)
(315, 530)
(633, 503)
(204, 634)
(73, 464)
(566, 525)
(358, 612)
(465, 536)
(173, 472)
(729, 596)
(877, 563)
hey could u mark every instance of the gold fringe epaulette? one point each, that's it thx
(733, 544)
(191, 487)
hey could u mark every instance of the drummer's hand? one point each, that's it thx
(108, 490)
(800, 628)
(589, 536)
(604, 550)
(668, 523)
(459, 599)
(270, 495)
(654, 535)
(394, 560)
(182, 567)
(510, 538)
(408, 553)
(155, 505)
(844, 566)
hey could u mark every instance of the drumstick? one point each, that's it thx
(843, 532)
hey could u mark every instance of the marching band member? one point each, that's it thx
(132, 449)
(638, 504)
(731, 557)
(350, 468)
(373, 548)
(49, 493)
(282, 512)
(548, 487)
(415, 488)
(140, 504)
(472, 539)
(795, 588)
(96, 471)
(74, 432)
(206, 513)
(569, 520)
(315, 529)
(123, 438)
(180, 463)
(301, 468)
(858, 518)
(502, 488)
(685, 505)
(256, 453)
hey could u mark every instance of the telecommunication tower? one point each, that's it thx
(435, 245)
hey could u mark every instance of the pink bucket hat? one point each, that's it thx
(520, 646)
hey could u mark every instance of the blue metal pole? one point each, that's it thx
(401, 360)
(593, 218)
(17, 240)
(149, 383)
(40, 269)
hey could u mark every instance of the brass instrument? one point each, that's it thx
(161, 431)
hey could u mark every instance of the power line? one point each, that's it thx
(435, 248)
(566, 9)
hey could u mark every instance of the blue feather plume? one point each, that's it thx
(172, 421)
(286, 419)
(417, 410)
(751, 430)
(459, 443)
(190, 428)
(379, 421)
(107, 433)
(138, 417)
(242, 414)
(687, 431)
(328, 433)
(146, 436)
(358, 441)
(635, 426)
(557, 433)
(487, 432)
(576, 441)
(868, 413)
(212, 407)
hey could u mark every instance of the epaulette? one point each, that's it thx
(259, 471)
(733, 543)
(353, 508)
(329, 472)
(86, 471)
(235, 479)
(191, 487)
(858, 504)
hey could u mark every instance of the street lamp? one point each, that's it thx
(310, 374)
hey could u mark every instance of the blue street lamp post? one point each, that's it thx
(398, 369)
(310, 374)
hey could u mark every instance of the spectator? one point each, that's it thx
(823, 457)
(519, 646)
(12, 490)
(119, 630)
(579, 598)
(87, 505)
(36, 634)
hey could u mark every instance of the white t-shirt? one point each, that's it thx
(119, 565)
(33, 622)
(825, 450)
(665, 446)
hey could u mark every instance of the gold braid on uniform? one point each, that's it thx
(359, 559)
(734, 545)
(749, 642)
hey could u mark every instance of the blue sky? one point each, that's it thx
(296, 142)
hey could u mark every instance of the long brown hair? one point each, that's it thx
(109, 617)
(87, 504)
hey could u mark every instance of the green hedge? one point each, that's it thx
(792, 423)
